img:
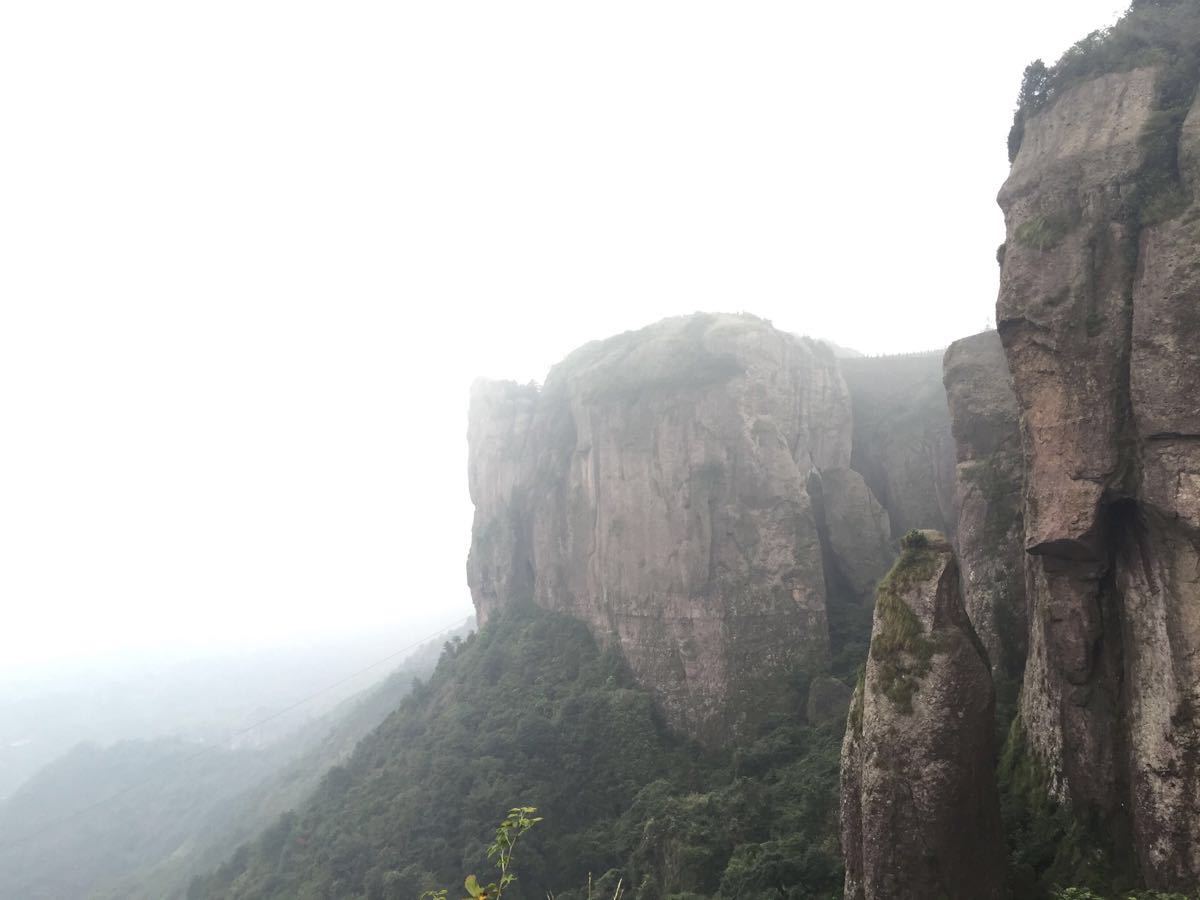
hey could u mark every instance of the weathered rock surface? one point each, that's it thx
(1098, 316)
(989, 484)
(902, 441)
(856, 529)
(655, 487)
(920, 813)
(828, 700)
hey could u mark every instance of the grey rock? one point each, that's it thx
(1099, 326)
(828, 700)
(655, 487)
(989, 482)
(920, 811)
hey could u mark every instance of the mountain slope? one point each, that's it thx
(532, 711)
(168, 808)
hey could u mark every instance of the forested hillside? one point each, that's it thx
(138, 819)
(531, 710)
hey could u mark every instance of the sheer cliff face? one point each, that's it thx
(656, 487)
(988, 487)
(920, 812)
(1099, 320)
(902, 441)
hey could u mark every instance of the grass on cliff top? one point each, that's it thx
(664, 358)
(901, 649)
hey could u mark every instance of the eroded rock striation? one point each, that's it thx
(920, 812)
(1099, 317)
(657, 487)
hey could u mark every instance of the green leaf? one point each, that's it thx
(472, 886)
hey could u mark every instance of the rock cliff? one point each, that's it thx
(1099, 317)
(988, 500)
(920, 812)
(658, 488)
(902, 441)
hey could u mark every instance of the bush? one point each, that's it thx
(1042, 233)
(1164, 33)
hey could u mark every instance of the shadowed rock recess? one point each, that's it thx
(1099, 318)
(685, 490)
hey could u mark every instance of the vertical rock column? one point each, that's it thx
(1098, 315)
(920, 814)
(989, 480)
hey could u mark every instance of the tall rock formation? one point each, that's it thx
(988, 499)
(656, 488)
(920, 813)
(1099, 313)
(902, 442)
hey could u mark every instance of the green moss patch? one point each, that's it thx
(900, 647)
(1042, 233)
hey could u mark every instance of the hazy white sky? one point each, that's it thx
(252, 255)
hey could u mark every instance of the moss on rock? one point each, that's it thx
(900, 647)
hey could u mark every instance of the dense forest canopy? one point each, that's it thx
(533, 709)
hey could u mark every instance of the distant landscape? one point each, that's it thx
(815, 546)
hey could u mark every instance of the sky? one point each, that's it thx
(252, 255)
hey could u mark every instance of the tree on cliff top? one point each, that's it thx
(1151, 32)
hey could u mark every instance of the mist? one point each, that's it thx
(255, 255)
(252, 258)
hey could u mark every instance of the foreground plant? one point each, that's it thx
(518, 821)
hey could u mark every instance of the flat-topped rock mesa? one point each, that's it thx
(686, 490)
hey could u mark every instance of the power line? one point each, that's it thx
(62, 820)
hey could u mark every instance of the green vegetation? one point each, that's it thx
(1043, 233)
(1049, 845)
(671, 356)
(1078, 893)
(1150, 33)
(900, 647)
(531, 708)
(169, 808)
(518, 821)
(1160, 33)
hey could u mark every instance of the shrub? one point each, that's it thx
(1042, 233)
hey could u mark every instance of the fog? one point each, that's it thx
(253, 255)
